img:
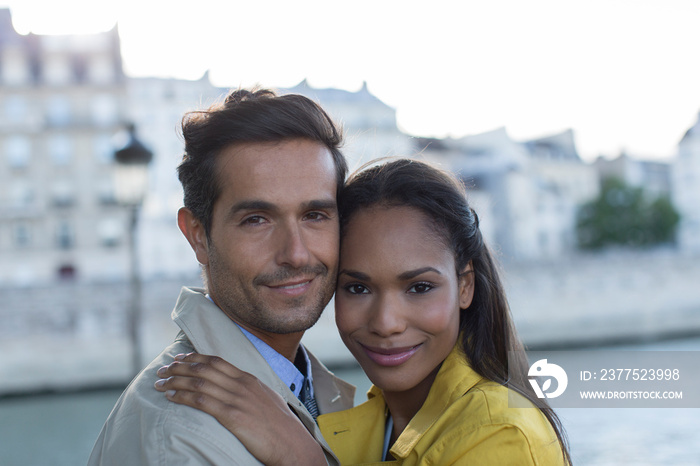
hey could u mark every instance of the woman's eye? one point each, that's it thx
(357, 289)
(420, 288)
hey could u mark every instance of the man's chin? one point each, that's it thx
(290, 320)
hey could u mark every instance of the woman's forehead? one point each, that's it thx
(381, 232)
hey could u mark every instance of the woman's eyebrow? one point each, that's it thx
(322, 204)
(354, 274)
(414, 273)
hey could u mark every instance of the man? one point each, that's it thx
(261, 174)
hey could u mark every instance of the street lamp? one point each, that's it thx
(130, 184)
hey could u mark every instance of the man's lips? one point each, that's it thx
(292, 288)
(390, 356)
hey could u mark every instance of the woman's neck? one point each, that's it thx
(405, 404)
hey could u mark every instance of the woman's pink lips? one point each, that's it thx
(391, 356)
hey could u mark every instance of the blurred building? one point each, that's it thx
(653, 176)
(369, 124)
(156, 106)
(62, 98)
(686, 189)
(526, 193)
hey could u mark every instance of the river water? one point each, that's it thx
(59, 430)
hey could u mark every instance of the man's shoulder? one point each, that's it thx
(146, 428)
(140, 394)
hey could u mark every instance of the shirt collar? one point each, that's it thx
(283, 367)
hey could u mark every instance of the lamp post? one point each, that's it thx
(130, 184)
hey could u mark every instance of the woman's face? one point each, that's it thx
(398, 297)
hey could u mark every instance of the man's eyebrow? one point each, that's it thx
(414, 273)
(256, 204)
(250, 205)
(355, 274)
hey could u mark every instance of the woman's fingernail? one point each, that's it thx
(170, 393)
(160, 383)
(161, 371)
(180, 357)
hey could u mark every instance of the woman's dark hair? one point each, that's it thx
(487, 330)
(247, 116)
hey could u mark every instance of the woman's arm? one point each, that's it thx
(257, 415)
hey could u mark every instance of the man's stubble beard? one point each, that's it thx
(243, 305)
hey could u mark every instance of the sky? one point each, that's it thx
(623, 74)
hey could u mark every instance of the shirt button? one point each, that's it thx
(293, 387)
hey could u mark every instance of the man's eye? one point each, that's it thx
(253, 220)
(420, 288)
(315, 216)
(357, 289)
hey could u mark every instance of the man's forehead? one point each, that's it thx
(301, 169)
(274, 157)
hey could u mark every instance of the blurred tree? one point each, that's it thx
(624, 215)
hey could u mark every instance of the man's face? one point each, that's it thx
(272, 257)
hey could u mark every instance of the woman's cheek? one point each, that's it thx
(440, 315)
(343, 315)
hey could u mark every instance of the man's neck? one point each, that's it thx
(286, 344)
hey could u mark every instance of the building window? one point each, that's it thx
(21, 194)
(15, 108)
(103, 149)
(65, 236)
(60, 149)
(105, 192)
(59, 111)
(15, 68)
(110, 232)
(79, 69)
(101, 70)
(67, 272)
(104, 110)
(63, 194)
(22, 236)
(57, 70)
(18, 150)
(543, 239)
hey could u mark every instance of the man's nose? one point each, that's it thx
(292, 249)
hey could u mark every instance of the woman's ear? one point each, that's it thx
(466, 286)
(193, 230)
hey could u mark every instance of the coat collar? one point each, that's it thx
(364, 424)
(212, 332)
(454, 379)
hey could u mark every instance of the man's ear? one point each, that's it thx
(466, 286)
(193, 230)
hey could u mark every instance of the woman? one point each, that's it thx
(421, 307)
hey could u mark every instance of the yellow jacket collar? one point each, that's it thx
(364, 424)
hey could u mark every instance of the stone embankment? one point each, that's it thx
(72, 335)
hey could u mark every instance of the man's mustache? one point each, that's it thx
(287, 274)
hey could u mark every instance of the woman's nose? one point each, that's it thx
(387, 317)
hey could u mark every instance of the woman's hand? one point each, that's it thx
(257, 415)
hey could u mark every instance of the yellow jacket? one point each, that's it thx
(464, 420)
